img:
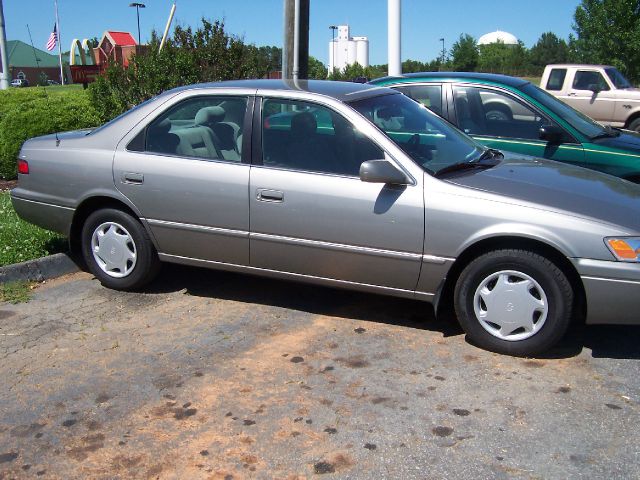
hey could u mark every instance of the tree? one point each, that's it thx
(317, 69)
(507, 59)
(547, 50)
(608, 31)
(465, 54)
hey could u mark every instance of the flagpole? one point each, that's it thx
(59, 44)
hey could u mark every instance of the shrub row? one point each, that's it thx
(29, 112)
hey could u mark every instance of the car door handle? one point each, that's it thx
(572, 94)
(266, 195)
(135, 178)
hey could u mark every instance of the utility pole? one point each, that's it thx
(295, 50)
(393, 40)
(444, 52)
(4, 76)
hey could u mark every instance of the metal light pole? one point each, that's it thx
(4, 76)
(443, 51)
(393, 39)
(138, 7)
(333, 48)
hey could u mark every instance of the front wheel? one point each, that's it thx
(635, 125)
(118, 250)
(513, 301)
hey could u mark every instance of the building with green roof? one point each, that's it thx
(31, 63)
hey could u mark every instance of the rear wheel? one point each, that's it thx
(118, 250)
(513, 301)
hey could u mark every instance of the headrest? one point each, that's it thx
(163, 127)
(303, 124)
(209, 115)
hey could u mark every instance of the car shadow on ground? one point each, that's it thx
(604, 341)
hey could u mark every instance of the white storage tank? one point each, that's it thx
(362, 50)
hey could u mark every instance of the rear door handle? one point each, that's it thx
(571, 94)
(266, 195)
(135, 178)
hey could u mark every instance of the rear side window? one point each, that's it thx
(556, 79)
(428, 95)
(207, 127)
(589, 80)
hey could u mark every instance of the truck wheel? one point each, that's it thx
(514, 302)
(118, 250)
(635, 125)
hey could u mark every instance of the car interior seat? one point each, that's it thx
(199, 140)
(306, 151)
(160, 139)
(225, 132)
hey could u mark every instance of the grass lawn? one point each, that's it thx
(21, 241)
(534, 80)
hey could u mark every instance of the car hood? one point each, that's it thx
(627, 140)
(560, 187)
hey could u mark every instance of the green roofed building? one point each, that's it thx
(31, 63)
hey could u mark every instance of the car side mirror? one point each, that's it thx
(382, 171)
(595, 88)
(550, 133)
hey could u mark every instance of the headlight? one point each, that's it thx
(625, 249)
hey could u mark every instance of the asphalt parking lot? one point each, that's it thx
(225, 376)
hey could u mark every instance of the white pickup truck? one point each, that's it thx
(599, 91)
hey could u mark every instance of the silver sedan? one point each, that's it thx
(344, 185)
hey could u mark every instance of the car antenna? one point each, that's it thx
(44, 87)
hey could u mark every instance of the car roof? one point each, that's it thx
(487, 77)
(577, 65)
(343, 91)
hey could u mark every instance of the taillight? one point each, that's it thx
(23, 167)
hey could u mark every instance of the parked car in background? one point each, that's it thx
(19, 82)
(513, 114)
(599, 91)
(388, 198)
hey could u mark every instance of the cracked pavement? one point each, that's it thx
(223, 376)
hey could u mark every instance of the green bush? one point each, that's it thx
(29, 112)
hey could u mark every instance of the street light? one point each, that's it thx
(443, 51)
(333, 46)
(138, 7)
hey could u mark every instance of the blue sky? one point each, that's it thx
(424, 22)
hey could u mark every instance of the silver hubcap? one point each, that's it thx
(510, 305)
(113, 249)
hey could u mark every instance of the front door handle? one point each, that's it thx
(266, 195)
(135, 178)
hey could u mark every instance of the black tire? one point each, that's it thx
(553, 282)
(635, 125)
(147, 264)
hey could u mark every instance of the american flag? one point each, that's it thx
(53, 39)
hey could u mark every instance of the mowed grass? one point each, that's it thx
(21, 241)
(534, 80)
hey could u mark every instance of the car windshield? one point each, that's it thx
(429, 140)
(617, 78)
(583, 124)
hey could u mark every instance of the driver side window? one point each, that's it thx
(306, 136)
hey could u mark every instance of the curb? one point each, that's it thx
(39, 269)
